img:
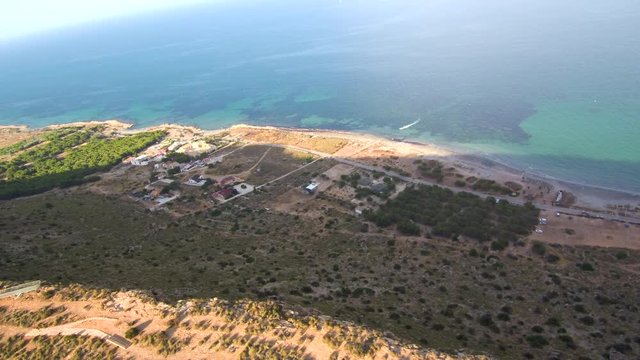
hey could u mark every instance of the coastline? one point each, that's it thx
(589, 196)
(490, 160)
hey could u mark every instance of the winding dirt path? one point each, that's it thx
(72, 328)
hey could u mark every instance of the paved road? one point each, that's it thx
(20, 289)
(546, 207)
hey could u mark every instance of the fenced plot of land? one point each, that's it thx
(577, 231)
(276, 163)
(239, 161)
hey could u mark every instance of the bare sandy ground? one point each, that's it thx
(88, 327)
(581, 231)
(12, 134)
(120, 310)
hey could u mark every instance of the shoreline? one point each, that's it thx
(483, 160)
(588, 195)
(482, 157)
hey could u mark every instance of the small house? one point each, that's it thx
(311, 188)
(140, 161)
(158, 157)
(196, 180)
(225, 194)
(559, 198)
(379, 187)
(192, 165)
(165, 199)
(213, 160)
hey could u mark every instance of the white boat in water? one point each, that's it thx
(409, 125)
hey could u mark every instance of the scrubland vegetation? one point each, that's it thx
(26, 318)
(55, 347)
(491, 186)
(431, 169)
(164, 344)
(442, 269)
(520, 302)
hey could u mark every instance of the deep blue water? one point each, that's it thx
(551, 86)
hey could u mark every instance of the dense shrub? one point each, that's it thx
(491, 186)
(587, 320)
(178, 157)
(56, 347)
(538, 248)
(621, 255)
(26, 318)
(568, 340)
(585, 266)
(407, 227)
(432, 169)
(131, 332)
(537, 341)
(552, 321)
(499, 245)
(451, 214)
(164, 344)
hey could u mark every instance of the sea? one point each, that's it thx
(549, 87)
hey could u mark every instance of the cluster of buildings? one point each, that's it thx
(377, 186)
(167, 174)
(154, 154)
(145, 160)
(157, 153)
(164, 188)
(172, 178)
(365, 186)
(232, 190)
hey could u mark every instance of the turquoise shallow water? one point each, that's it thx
(549, 87)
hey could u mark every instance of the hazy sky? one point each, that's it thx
(23, 17)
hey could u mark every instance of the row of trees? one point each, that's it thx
(43, 167)
(57, 145)
(19, 146)
(431, 168)
(28, 143)
(450, 214)
(491, 186)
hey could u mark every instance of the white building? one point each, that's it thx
(311, 188)
(142, 160)
(196, 180)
